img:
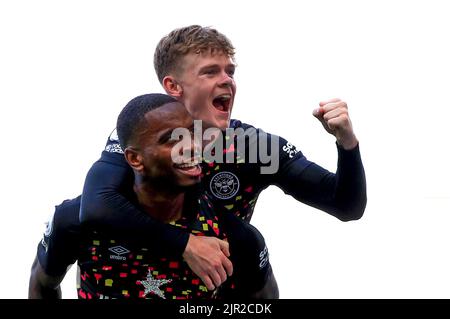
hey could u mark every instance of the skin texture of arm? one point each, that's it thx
(43, 286)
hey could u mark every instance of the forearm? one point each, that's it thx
(43, 286)
(37, 291)
(342, 195)
(350, 195)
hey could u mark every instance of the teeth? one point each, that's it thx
(187, 165)
(224, 97)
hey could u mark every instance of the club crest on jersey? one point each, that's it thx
(224, 185)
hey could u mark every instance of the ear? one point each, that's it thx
(134, 159)
(172, 87)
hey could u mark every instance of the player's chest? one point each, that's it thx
(232, 187)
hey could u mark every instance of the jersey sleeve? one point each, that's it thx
(341, 194)
(59, 246)
(105, 207)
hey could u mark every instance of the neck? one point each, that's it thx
(164, 205)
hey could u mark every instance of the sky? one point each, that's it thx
(68, 68)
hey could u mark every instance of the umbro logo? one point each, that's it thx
(118, 251)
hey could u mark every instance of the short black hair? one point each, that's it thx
(132, 117)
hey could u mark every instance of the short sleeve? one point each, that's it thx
(59, 246)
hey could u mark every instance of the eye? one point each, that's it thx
(166, 138)
(171, 141)
(209, 72)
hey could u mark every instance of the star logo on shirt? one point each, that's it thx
(152, 285)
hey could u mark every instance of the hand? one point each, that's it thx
(207, 257)
(333, 115)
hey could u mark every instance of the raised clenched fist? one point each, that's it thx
(333, 115)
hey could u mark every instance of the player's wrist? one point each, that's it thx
(188, 249)
(348, 143)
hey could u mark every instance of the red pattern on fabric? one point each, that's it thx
(98, 277)
(195, 282)
(82, 294)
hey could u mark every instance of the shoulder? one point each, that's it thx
(234, 123)
(58, 247)
(244, 131)
(113, 143)
(248, 128)
(272, 141)
(63, 226)
(66, 217)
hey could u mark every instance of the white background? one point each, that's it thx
(68, 67)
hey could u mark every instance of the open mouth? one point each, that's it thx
(222, 102)
(191, 169)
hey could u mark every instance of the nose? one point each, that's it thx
(226, 80)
